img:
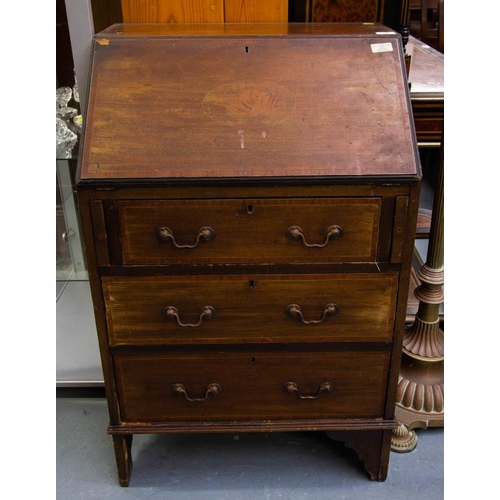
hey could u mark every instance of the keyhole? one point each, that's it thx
(250, 209)
(251, 283)
(253, 360)
(247, 49)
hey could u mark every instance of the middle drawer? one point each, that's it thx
(250, 309)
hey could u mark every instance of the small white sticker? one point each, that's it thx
(381, 47)
(385, 32)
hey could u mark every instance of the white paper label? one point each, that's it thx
(381, 47)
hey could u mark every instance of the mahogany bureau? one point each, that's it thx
(248, 196)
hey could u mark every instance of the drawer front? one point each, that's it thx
(159, 232)
(250, 309)
(236, 386)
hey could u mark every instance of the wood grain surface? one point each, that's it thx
(241, 132)
(168, 11)
(204, 11)
(246, 11)
(250, 309)
(251, 230)
(176, 107)
(251, 385)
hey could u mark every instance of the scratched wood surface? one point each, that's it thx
(241, 29)
(247, 106)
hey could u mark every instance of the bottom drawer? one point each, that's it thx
(247, 386)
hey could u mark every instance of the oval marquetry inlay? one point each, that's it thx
(239, 103)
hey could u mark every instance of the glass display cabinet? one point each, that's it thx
(77, 358)
(77, 354)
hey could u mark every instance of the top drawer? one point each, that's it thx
(156, 232)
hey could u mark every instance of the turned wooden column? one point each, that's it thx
(420, 393)
(404, 30)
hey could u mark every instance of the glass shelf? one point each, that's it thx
(70, 260)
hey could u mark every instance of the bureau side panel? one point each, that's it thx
(402, 298)
(92, 254)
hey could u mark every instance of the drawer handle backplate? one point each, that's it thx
(212, 390)
(171, 312)
(294, 311)
(324, 387)
(295, 233)
(205, 234)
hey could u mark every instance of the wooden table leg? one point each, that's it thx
(123, 455)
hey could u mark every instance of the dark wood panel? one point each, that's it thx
(158, 190)
(429, 120)
(353, 426)
(389, 11)
(251, 387)
(250, 309)
(101, 236)
(65, 75)
(269, 347)
(250, 230)
(318, 107)
(98, 304)
(399, 229)
(105, 13)
(113, 231)
(235, 270)
(345, 11)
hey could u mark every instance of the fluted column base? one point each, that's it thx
(424, 340)
(419, 401)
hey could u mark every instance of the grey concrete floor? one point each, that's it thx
(232, 466)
